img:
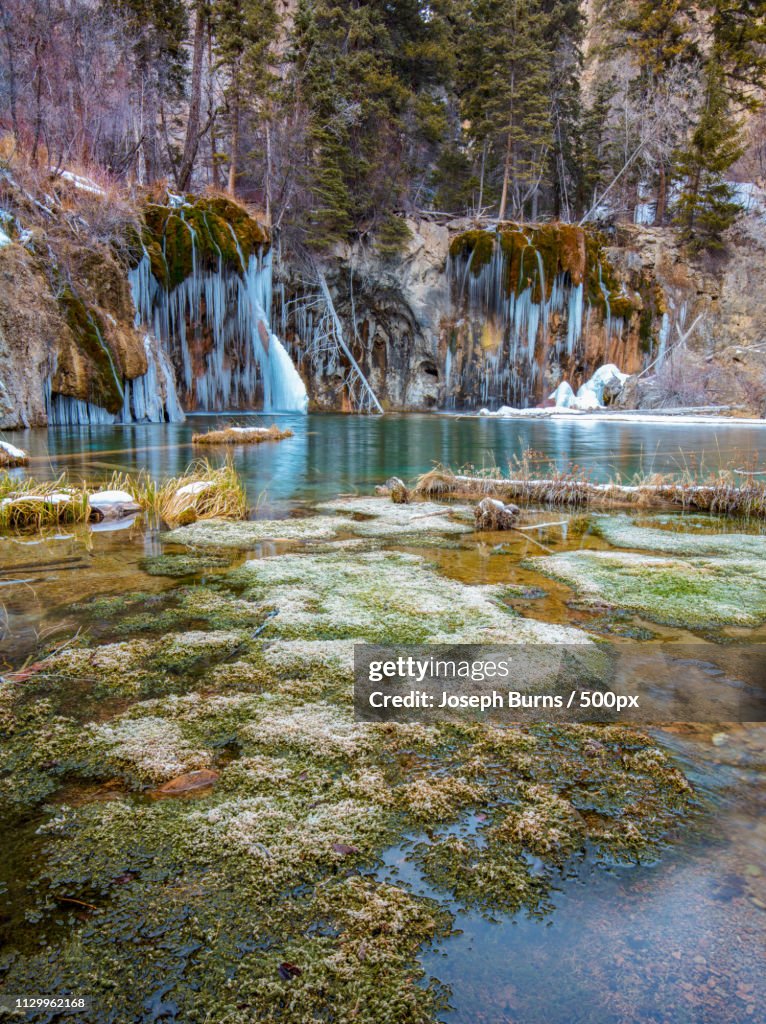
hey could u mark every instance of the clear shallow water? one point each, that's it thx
(332, 454)
(681, 942)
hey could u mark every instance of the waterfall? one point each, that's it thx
(216, 328)
(511, 320)
(207, 337)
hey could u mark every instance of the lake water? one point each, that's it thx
(679, 942)
(332, 454)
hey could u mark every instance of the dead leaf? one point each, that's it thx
(288, 971)
(188, 782)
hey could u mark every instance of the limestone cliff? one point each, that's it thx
(464, 317)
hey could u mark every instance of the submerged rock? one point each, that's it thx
(492, 514)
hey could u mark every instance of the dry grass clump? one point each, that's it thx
(27, 505)
(242, 435)
(729, 492)
(439, 482)
(202, 492)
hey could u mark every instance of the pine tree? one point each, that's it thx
(505, 78)
(565, 32)
(705, 207)
(360, 68)
(738, 29)
(660, 39)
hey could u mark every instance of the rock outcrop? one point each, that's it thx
(457, 321)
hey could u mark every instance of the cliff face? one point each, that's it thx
(466, 318)
(105, 318)
(50, 339)
(391, 310)
(462, 318)
(712, 335)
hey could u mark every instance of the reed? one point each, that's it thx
(242, 435)
(726, 491)
(204, 491)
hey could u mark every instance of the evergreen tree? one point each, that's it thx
(705, 207)
(660, 40)
(360, 68)
(505, 80)
(738, 29)
(565, 32)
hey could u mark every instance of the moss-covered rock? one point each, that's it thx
(685, 592)
(208, 230)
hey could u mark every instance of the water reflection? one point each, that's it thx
(332, 453)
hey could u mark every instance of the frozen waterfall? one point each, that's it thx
(216, 329)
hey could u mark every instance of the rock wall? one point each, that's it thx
(430, 332)
(465, 318)
(717, 304)
(49, 338)
(392, 311)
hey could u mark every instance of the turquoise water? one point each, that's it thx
(332, 454)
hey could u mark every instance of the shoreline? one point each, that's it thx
(607, 416)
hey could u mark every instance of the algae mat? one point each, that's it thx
(260, 897)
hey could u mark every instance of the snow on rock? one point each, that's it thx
(198, 487)
(101, 498)
(10, 455)
(113, 504)
(590, 396)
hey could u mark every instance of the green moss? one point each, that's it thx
(212, 229)
(476, 245)
(89, 335)
(557, 248)
(690, 593)
(183, 565)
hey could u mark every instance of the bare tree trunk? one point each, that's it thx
(268, 174)
(508, 155)
(215, 167)
(506, 175)
(191, 142)
(150, 144)
(234, 143)
(662, 195)
(38, 103)
(481, 179)
(9, 45)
